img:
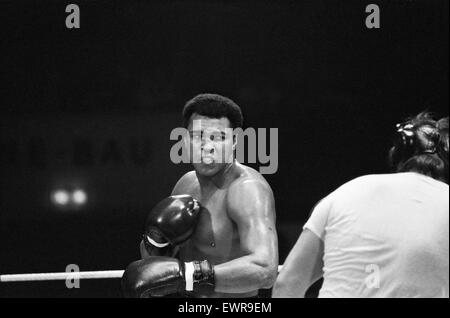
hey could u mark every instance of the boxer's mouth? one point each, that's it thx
(207, 160)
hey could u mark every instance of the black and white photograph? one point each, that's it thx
(242, 151)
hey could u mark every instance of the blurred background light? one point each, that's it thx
(60, 197)
(79, 197)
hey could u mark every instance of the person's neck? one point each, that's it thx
(220, 179)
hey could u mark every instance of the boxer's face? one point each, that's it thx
(211, 144)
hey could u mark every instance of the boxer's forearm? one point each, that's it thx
(244, 274)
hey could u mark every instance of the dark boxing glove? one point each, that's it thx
(172, 221)
(159, 276)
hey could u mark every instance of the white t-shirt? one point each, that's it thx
(385, 236)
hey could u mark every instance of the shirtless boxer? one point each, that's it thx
(381, 235)
(219, 222)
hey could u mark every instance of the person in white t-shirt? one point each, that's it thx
(381, 235)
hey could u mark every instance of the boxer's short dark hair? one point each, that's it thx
(213, 106)
(422, 145)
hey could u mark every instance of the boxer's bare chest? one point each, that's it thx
(215, 237)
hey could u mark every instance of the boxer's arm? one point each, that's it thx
(251, 206)
(302, 268)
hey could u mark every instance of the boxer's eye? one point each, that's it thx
(217, 137)
(196, 136)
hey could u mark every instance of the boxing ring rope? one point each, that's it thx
(32, 277)
(60, 276)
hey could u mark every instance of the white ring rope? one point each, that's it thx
(60, 276)
(66, 275)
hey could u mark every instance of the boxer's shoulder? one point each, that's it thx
(186, 184)
(246, 190)
(249, 179)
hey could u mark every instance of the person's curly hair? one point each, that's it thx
(213, 106)
(421, 145)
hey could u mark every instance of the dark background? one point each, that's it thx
(93, 108)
